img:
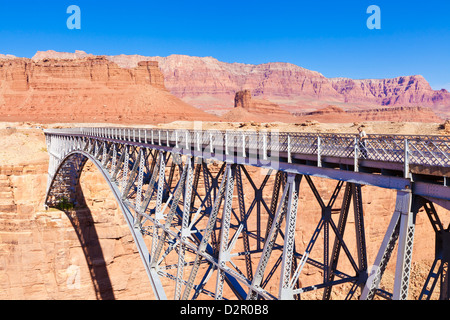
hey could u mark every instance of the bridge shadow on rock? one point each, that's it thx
(83, 223)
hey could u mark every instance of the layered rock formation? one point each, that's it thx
(91, 89)
(211, 85)
(203, 81)
(258, 110)
(332, 114)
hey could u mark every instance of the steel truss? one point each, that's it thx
(207, 229)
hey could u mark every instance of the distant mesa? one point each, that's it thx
(217, 90)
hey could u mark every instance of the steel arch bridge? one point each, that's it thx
(207, 224)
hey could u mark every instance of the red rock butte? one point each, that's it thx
(91, 89)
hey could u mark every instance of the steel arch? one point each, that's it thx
(137, 236)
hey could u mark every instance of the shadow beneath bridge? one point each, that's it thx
(83, 223)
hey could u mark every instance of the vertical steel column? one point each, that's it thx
(138, 199)
(285, 291)
(360, 234)
(405, 246)
(126, 165)
(401, 227)
(270, 240)
(171, 215)
(225, 230)
(243, 216)
(206, 236)
(158, 208)
(185, 231)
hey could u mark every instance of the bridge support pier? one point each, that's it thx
(401, 229)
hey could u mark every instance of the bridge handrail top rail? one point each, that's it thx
(259, 131)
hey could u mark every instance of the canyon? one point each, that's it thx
(48, 254)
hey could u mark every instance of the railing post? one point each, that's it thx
(211, 149)
(226, 142)
(243, 146)
(356, 151)
(289, 149)
(264, 146)
(198, 141)
(319, 151)
(406, 160)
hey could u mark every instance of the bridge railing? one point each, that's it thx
(405, 149)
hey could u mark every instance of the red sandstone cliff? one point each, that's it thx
(91, 89)
(335, 114)
(246, 108)
(211, 85)
(207, 82)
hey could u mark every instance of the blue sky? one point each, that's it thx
(326, 36)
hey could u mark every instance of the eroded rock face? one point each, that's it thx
(211, 85)
(332, 114)
(91, 89)
(195, 79)
(43, 252)
(250, 109)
